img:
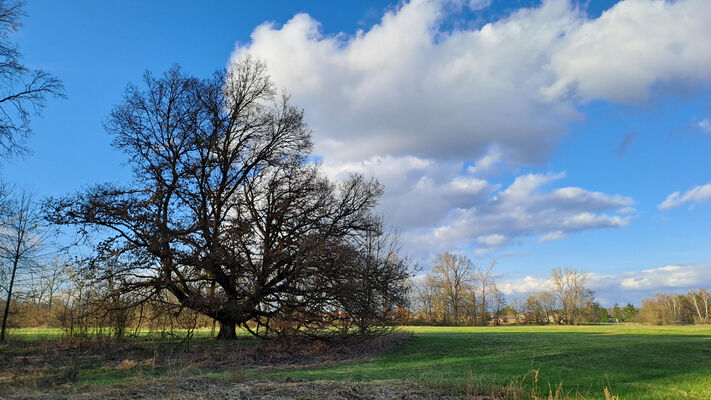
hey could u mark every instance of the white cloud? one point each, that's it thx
(696, 194)
(412, 104)
(525, 285)
(406, 87)
(418, 192)
(521, 210)
(704, 125)
(555, 235)
(630, 286)
(436, 208)
(649, 281)
(493, 240)
(633, 46)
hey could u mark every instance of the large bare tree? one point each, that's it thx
(227, 213)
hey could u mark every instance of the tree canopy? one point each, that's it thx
(228, 214)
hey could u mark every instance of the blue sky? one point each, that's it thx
(541, 134)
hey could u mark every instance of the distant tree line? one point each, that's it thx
(456, 292)
(677, 309)
(56, 293)
(568, 301)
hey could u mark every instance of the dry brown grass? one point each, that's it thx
(516, 390)
(213, 389)
(47, 369)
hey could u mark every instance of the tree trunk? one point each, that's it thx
(9, 297)
(227, 330)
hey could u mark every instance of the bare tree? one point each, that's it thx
(673, 303)
(542, 308)
(369, 292)
(425, 295)
(454, 275)
(226, 212)
(51, 279)
(701, 300)
(569, 287)
(498, 302)
(550, 306)
(23, 91)
(482, 276)
(19, 244)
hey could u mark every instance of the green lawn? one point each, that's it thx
(635, 362)
(25, 334)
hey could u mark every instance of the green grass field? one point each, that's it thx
(635, 362)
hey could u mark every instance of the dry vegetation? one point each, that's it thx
(215, 389)
(49, 369)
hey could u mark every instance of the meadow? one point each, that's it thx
(631, 361)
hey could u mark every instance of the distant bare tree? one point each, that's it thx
(701, 300)
(19, 244)
(550, 306)
(569, 287)
(483, 276)
(498, 302)
(454, 275)
(23, 91)
(52, 277)
(542, 308)
(425, 294)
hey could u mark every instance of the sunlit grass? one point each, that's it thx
(635, 361)
(26, 334)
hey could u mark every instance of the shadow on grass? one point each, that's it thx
(633, 365)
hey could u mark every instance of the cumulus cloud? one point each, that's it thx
(437, 207)
(404, 87)
(630, 286)
(632, 47)
(418, 192)
(524, 209)
(636, 285)
(696, 194)
(407, 87)
(414, 104)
